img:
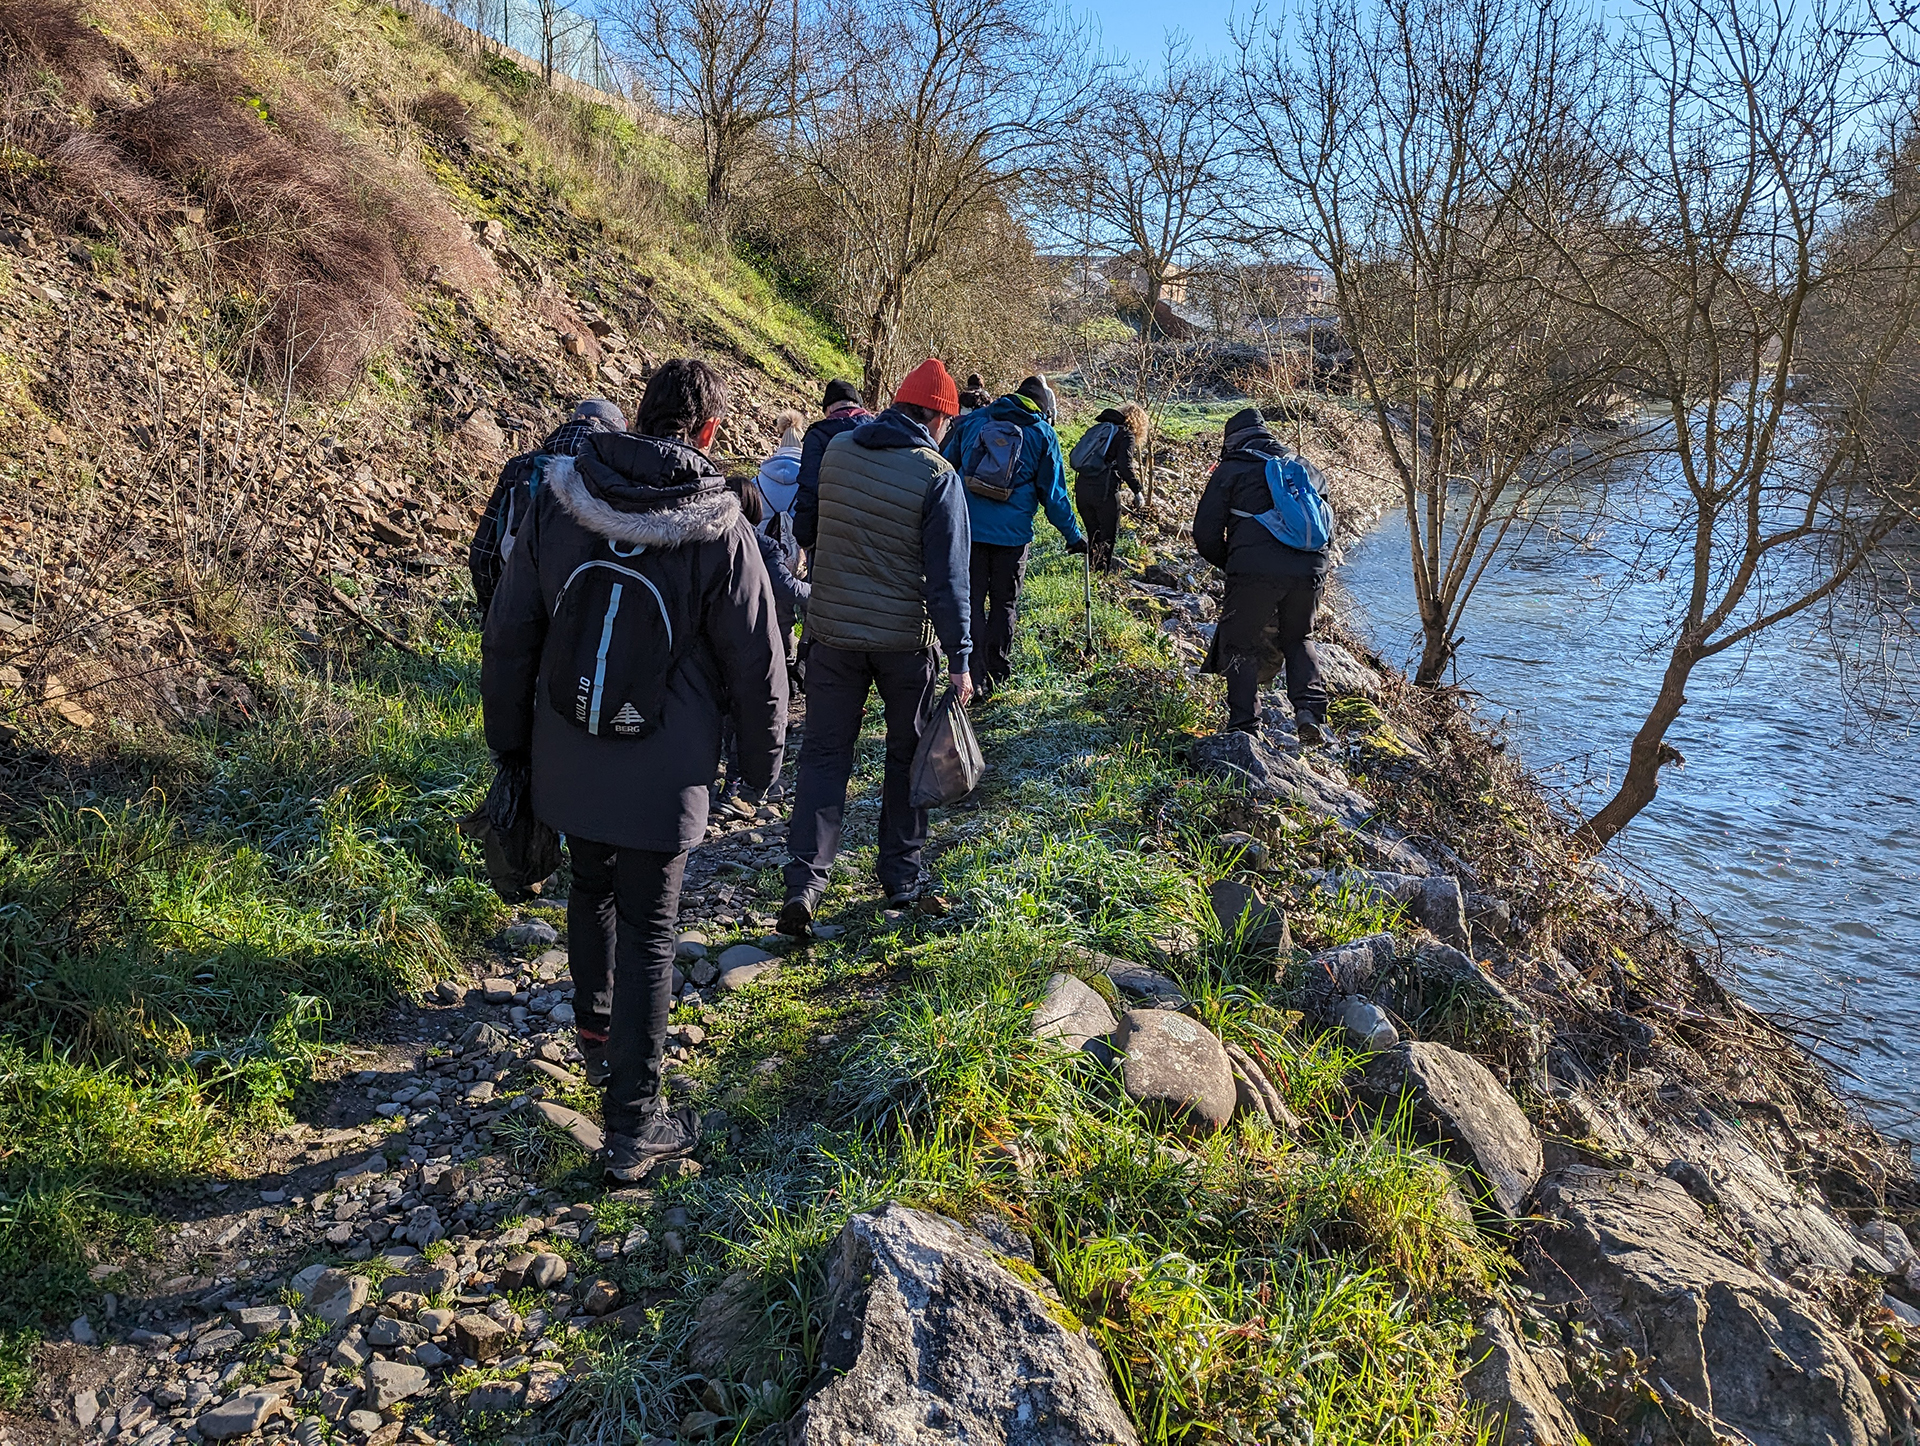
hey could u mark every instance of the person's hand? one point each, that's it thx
(1077, 546)
(1138, 498)
(962, 687)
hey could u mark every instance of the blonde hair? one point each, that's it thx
(1135, 416)
(791, 427)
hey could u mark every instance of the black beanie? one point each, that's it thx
(838, 392)
(1244, 420)
(1036, 390)
(974, 384)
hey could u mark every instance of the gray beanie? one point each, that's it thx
(1036, 390)
(599, 409)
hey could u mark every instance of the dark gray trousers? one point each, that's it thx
(838, 682)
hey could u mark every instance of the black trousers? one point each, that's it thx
(838, 682)
(1099, 504)
(1263, 627)
(998, 573)
(622, 920)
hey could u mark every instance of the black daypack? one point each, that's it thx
(610, 647)
(1090, 452)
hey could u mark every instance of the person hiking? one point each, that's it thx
(778, 481)
(1106, 458)
(974, 395)
(512, 495)
(1273, 589)
(889, 580)
(637, 575)
(1009, 457)
(841, 403)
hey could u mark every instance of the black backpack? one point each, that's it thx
(610, 647)
(508, 507)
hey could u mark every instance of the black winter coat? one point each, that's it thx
(640, 793)
(1239, 545)
(1120, 465)
(813, 447)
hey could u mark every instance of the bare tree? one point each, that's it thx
(1145, 178)
(947, 107)
(1768, 278)
(1436, 155)
(738, 66)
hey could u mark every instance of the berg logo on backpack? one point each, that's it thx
(993, 460)
(1299, 517)
(609, 649)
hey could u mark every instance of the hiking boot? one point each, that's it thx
(1313, 732)
(734, 805)
(666, 1135)
(917, 892)
(796, 917)
(593, 1059)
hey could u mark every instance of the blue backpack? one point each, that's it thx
(992, 467)
(1299, 517)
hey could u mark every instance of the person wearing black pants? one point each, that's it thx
(889, 581)
(622, 922)
(1273, 590)
(838, 683)
(997, 574)
(1096, 487)
(630, 792)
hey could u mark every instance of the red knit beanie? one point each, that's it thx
(929, 385)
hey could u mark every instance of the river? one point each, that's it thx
(1794, 826)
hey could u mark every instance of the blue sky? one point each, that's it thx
(1136, 27)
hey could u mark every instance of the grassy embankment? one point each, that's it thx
(190, 912)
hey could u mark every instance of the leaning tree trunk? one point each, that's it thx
(1649, 753)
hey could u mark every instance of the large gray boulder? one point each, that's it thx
(1459, 1105)
(1074, 1013)
(933, 1340)
(1635, 1257)
(1275, 777)
(1175, 1069)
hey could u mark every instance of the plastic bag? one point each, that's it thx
(521, 852)
(947, 765)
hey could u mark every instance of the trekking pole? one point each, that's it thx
(1086, 574)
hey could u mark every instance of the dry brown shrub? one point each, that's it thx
(444, 114)
(53, 36)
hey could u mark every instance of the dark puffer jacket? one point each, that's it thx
(890, 571)
(640, 793)
(1238, 544)
(813, 447)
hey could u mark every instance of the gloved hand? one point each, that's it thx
(518, 758)
(1078, 545)
(1138, 497)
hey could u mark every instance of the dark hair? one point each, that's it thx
(925, 416)
(753, 506)
(680, 396)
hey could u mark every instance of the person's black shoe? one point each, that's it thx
(796, 917)
(1313, 732)
(666, 1135)
(593, 1059)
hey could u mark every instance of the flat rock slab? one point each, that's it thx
(1457, 1101)
(585, 1133)
(764, 969)
(1242, 913)
(1637, 1258)
(934, 1340)
(741, 954)
(391, 1381)
(1073, 1013)
(1344, 673)
(1175, 1069)
(1275, 777)
(240, 1416)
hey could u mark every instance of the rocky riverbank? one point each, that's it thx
(1358, 1009)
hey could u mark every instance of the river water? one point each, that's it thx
(1794, 826)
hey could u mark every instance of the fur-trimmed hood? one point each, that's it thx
(644, 491)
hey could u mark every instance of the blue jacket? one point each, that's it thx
(1043, 476)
